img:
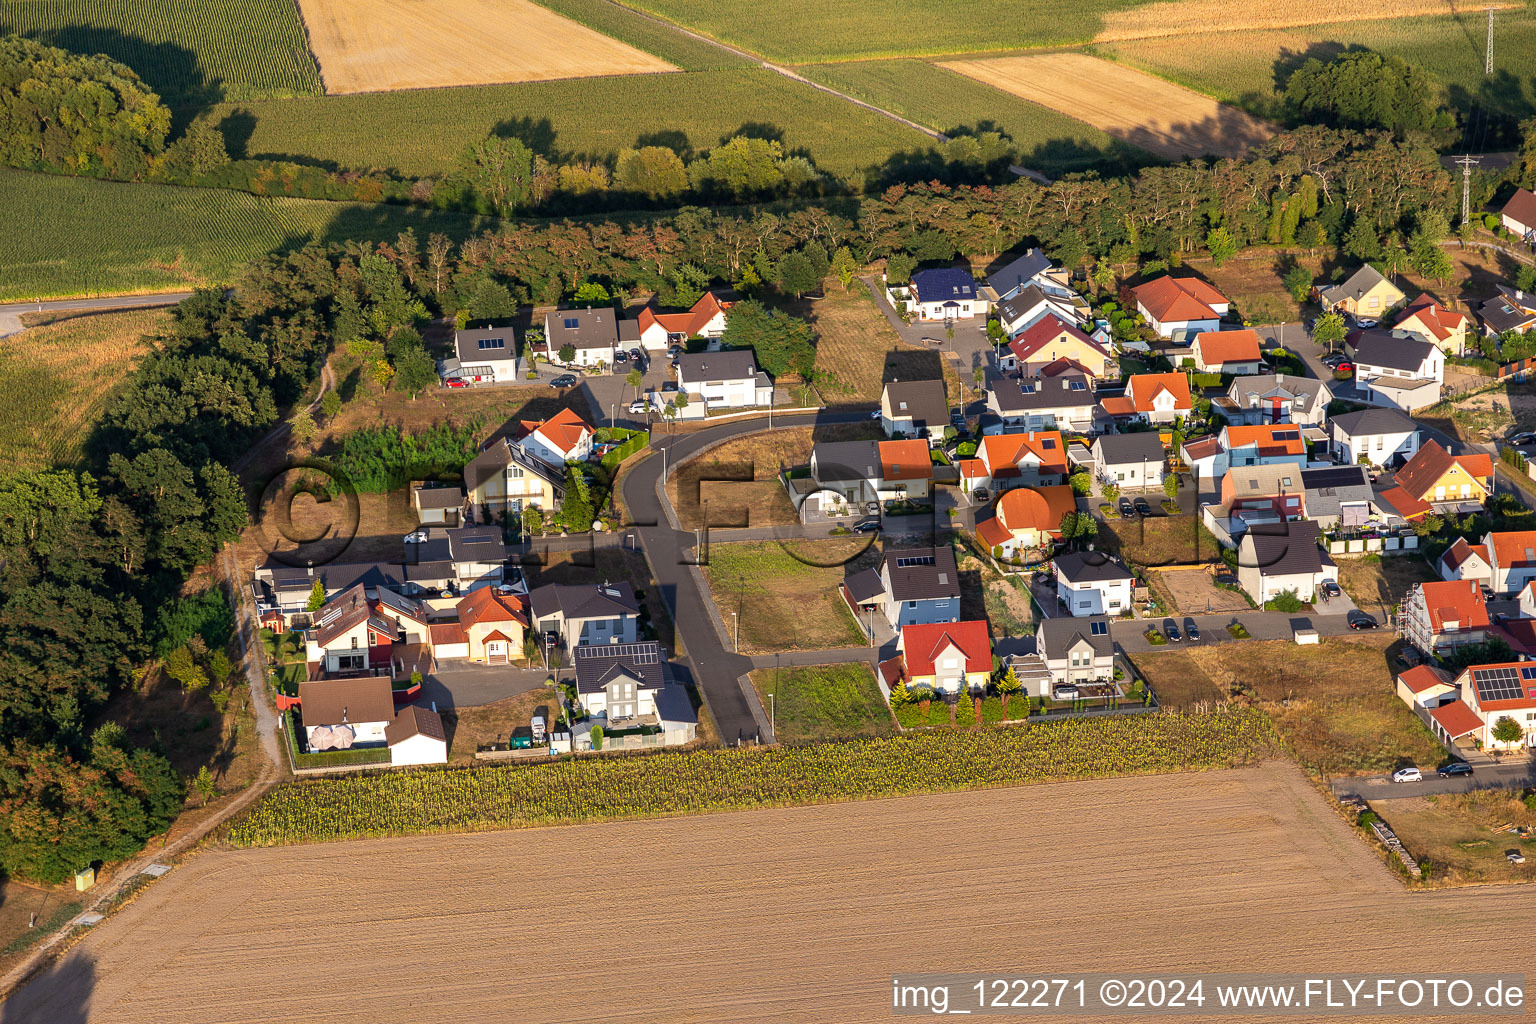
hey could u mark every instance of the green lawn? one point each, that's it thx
(823, 702)
(785, 597)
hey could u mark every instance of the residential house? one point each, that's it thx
(358, 634)
(1092, 583)
(1441, 616)
(483, 355)
(505, 478)
(1180, 307)
(844, 473)
(1275, 558)
(1275, 398)
(915, 408)
(1050, 339)
(1402, 373)
(564, 437)
(1030, 305)
(920, 585)
(416, 737)
(1235, 352)
(946, 656)
(493, 620)
(1338, 496)
(1263, 444)
(341, 714)
(1377, 437)
(1427, 320)
(1034, 459)
(1463, 561)
(659, 331)
(1261, 494)
(1363, 294)
(619, 682)
(594, 334)
(1510, 310)
(1427, 686)
(1436, 479)
(944, 295)
(725, 379)
(1076, 650)
(1063, 402)
(1206, 459)
(1151, 398)
(439, 558)
(1025, 518)
(437, 506)
(1511, 560)
(1130, 460)
(1494, 692)
(605, 613)
(1519, 215)
(1033, 269)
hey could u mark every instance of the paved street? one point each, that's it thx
(10, 313)
(1509, 775)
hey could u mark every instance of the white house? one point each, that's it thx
(1063, 403)
(416, 737)
(356, 633)
(619, 682)
(1092, 583)
(915, 408)
(1275, 398)
(339, 714)
(1519, 215)
(1130, 460)
(1511, 560)
(1031, 305)
(1031, 269)
(1496, 692)
(564, 437)
(706, 319)
(1076, 650)
(944, 294)
(483, 355)
(1180, 307)
(1273, 558)
(594, 333)
(1463, 561)
(728, 378)
(1403, 373)
(1383, 437)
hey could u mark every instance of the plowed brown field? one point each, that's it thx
(799, 914)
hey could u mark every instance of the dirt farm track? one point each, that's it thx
(799, 914)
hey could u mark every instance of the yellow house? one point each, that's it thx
(493, 622)
(1436, 479)
(1050, 340)
(506, 478)
(1429, 321)
(1365, 293)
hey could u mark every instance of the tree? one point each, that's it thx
(501, 170)
(634, 378)
(415, 371)
(797, 274)
(844, 266)
(742, 167)
(1111, 491)
(1221, 245)
(204, 784)
(1329, 330)
(576, 508)
(316, 597)
(597, 737)
(183, 667)
(1298, 282)
(1366, 90)
(1362, 241)
(899, 267)
(965, 708)
(782, 343)
(533, 520)
(1171, 486)
(591, 292)
(1507, 730)
(1081, 482)
(303, 427)
(330, 403)
(1311, 236)
(654, 171)
(1007, 685)
(567, 353)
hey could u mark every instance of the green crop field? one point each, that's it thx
(1449, 48)
(821, 30)
(190, 53)
(644, 33)
(1049, 142)
(74, 236)
(421, 132)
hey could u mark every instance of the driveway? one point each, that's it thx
(971, 346)
(1129, 633)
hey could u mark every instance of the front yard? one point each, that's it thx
(823, 702)
(1455, 834)
(787, 594)
(1334, 703)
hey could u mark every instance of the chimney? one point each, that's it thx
(311, 564)
(343, 716)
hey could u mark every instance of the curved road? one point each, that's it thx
(10, 313)
(715, 669)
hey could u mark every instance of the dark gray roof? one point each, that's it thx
(1057, 635)
(1019, 272)
(597, 664)
(865, 587)
(943, 283)
(480, 543)
(922, 574)
(582, 328)
(1271, 385)
(673, 705)
(584, 601)
(1282, 549)
(1067, 391)
(1377, 348)
(727, 364)
(1353, 286)
(1508, 311)
(1090, 567)
(336, 576)
(483, 344)
(847, 460)
(439, 497)
(924, 400)
(1119, 449)
(1018, 306)
(1366, 422)
(501, 453)
(1328, 488)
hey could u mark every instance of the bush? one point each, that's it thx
(1238, 631)
(1155, 637)
(1285, 601)
(207, 615)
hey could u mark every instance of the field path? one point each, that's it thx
(798, 914)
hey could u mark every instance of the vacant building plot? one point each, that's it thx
(377, 45)
(785, 596)
(857, 351)
(1465, 836)
(1194, 590)
(1139, 109)
(1211, 870)
(823, 702)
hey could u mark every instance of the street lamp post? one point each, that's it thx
(773, 718)
(736, 627)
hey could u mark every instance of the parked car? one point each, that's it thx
(1409, 774)
(638, 407)
(1524, 437)
(1344, 367)
(876, 414)
(674, 350)
(1360, 620)
(565, 380)
(456, 382)
(957, 417)
(1171, 630)
(872, 507)
(981, 495)
(668, 387)
(1331, 588)
(1142, 508)
(636, 354)
(1191, 630)
(867, 526)
(1127, 510)
(1365, 321)
(1334, 360)
(1455, 768)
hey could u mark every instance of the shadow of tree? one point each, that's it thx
(60, 995)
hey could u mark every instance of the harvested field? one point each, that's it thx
(1147, 112)
(378, 45)
(206, 942)
(1201, 17)
(786, 593)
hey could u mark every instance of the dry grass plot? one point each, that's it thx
(376, 45)
(1209, 871)
(1199, 17)
(1145, 111)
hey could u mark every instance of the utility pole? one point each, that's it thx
(1488, 58)
(1467, 162)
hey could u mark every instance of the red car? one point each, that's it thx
(1346, 368)
(456, 382)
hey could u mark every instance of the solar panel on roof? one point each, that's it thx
(1528, 673)
(1048, 443)
(1098, 628)
(910, 560)
(1497, 684)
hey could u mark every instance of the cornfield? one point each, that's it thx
(593, 789)
(190, 54)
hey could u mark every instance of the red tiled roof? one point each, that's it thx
(1064, 365)
(1474, 674)
(1264, 435)
(1046, 330)
(447, 633)
(1037, 508)
(923, 643)
(1430, 464)
(894, 670)
(1520, 634)
(1460, 551)
(905, 460)
(1510, 547)
(1228, 346)
(1118, 405)
(1405, 504)
(486, 604)
(1437, 320)
(1144, 387)
(564, 430)
(689, 323)
(992, 532)
(1204, 448)
(972, 468)
(1456, 718)
(1177, 299)
(1455, 601)
(1002, 452)
(1522, 207)
(1424, 677)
